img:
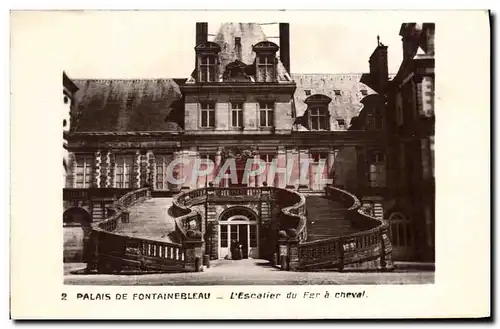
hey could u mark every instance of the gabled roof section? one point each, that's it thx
(126, 105)
(250, 34)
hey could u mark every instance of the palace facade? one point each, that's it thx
(241, 102)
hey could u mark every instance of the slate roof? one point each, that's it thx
(126, 105)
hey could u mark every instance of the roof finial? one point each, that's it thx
(378, 40)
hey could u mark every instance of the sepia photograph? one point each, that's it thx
(263, 164)
(245, 172)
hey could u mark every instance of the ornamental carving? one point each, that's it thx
(237, 153)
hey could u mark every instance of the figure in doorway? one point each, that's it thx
(236, 253)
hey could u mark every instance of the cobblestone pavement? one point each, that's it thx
(252, 272)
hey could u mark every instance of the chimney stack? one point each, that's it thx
(379, 70)
(237, 47)
(201, 32)
(285, 45)
(428, 38)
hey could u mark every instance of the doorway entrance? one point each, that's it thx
(238, 225)
(401, 233)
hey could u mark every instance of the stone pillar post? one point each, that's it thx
(194, 255)
(283, 254)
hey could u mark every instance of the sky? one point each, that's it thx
(160, 45)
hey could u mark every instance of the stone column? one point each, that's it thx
(137, 181)
(293, 166)
(281, 165)
(71, 165)
(218, 163)
(303, 170)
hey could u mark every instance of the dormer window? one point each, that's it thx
(207, 61)
(341, 123)
(318, 114)
(266, 61)
(319, 118)
(364, 92)
(208, 68)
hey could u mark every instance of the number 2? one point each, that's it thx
(63, 296)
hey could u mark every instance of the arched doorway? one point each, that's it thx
(240, 224)
(402, 237)
(76, 229)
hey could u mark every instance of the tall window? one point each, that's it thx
(84, 170)
(266, 114)
(223, 236)
(319, 118)
(162, 162)
(208, 114)
(237, 115)
(208, 68)
(124, 166)
(377, 169)
(266, 68)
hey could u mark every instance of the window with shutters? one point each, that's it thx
(237, 115)
(84, 170)
(266, 114)
(207, 115)
(124, 169)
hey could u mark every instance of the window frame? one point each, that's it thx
(269, 114)
(210, 116)
(239, 114)
(322, 113)
(263, 61)
(205, 67)
(86, 183)
(123, 175)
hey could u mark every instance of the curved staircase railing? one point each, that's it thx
(112, 252)
(369, 249)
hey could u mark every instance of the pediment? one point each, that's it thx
(208, 46)
(265, 45)
(318, 98)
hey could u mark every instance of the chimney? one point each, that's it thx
(428, 38)
(237, 48)
(285, 45)
(379, 71)
(201, 32)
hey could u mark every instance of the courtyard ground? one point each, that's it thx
(250, 272)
